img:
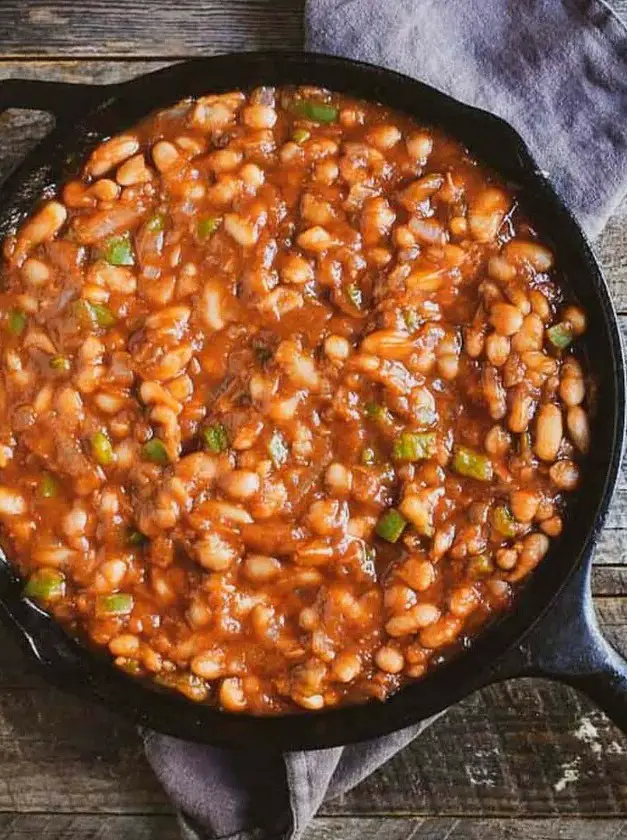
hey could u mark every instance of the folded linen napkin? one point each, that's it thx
(557, 71)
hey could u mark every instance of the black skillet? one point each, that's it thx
(552, 630)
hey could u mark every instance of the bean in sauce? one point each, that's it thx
(290, 403)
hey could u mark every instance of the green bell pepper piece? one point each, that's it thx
(154, 450)
(414, 446)
(216, 438)
(391, 525)
(119, 250)
(102, 449)
(472, 464)
(45, 585)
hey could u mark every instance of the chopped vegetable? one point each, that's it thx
(391, 525)
(154, 450)
(378, 412)
(190, 686)
(136, 537)
(216, 438)
(120, 603)
(103, 316)
(208, 226)
(504, 522)
(320, 112)
(45, 585)
(354, 295)
(17, 321)
(278, 449)
(472, 464)
(61, 363)
(368, 457)
(301, 135)
(412, 319)
(560, 335)
(119, 250)
(102, 449)
(480, 566)
(129, 666)
(157, 223)
(414, 446)
(48, 487)
(87, 313)
(82, 311)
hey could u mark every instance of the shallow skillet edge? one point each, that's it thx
(84, 113)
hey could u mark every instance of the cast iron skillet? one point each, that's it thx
(552, 631)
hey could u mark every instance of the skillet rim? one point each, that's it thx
(74, 667)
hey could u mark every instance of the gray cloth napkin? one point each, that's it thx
(247, 796)
(554, 69)
(557, 71)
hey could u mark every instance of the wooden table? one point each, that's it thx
(525, 759)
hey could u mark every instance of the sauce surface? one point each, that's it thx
(289, 399)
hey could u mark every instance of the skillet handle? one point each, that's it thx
(567, 645)
(62, 99)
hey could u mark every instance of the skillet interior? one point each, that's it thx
(106, 111)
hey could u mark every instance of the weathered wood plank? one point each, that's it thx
(522, 748)
(99, 827)
(438, 828)
(109, 28)
(612, 545)
(78, 71)
(189, 27)
(609, 580)
(611, 249)
(15, 826)
(57, 758)
(538, 751)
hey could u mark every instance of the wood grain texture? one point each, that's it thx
(99, 827)
(526, 747)
(540, 750)
(112, 28)
(88, 827)
(188, 27)
(462, 828)
(609, 580)
(104, 827)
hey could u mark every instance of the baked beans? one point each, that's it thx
(289, 399)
